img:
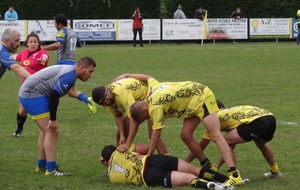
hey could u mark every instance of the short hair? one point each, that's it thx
(107, 151)
(135, 111)
(8, 34)
(61, 19)
(180, 7)
(32, 34)
(86, 61)
(99, 94)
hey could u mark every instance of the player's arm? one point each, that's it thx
(154, 139)
(133, 128)
(121, 123)
(53, 46)
(53, 104)
(19, 70)
(140, 77)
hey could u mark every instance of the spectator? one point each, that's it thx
(200, 13)
(1, 17)
(179, 14)
(11, 14)
(237, 14)
(298, 36)
(137, 26)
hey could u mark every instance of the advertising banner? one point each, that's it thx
(95, 30)
(45, 29)
(269, 28)
(182, 29)
(19, 25)
(294, 28)
(227, 28)
(151, 29)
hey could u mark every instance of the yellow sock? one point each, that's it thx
(274, 169)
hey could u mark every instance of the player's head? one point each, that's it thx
(84, 68)
(139, 111)
(106, 153)
(11, 38)
(180, 7)
(60, 21)
(11, 8)
(33, 42)
(103, 96)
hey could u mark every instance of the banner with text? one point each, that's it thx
(151, 30)
(182, 29)
(269, 28)
(45, 29)
(19, 25)
(227, 28)
(95, 30)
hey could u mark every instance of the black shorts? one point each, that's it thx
(260, 128)
(158, 170)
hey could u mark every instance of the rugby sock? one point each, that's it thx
(274, 168)
(51, 166)
(42, 163)
(205, 163)
(20, 121)
(198, 183)
(211, 175)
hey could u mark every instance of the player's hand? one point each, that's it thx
(92, 105)
(52, 125)
(138, 156)
(122, 148)
(42, 60)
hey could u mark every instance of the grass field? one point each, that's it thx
(260, 74)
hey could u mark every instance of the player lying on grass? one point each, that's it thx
(244, 124)
(130, 167)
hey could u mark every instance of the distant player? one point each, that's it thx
(40, 95)
(65, 46)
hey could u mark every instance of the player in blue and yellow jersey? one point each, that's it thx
(10, 41)
(40, 94)
(195, 103)
(244, 124)
(65, 46)
(130, 167)
(118, 98)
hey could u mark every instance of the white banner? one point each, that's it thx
(45, 29)
(182, 29)
(269, 27)
(19, 25)
(227, 28)
(95, 30)
(151, 30)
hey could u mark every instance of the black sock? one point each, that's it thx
(206, 163)
(211, 175)
(20, 121)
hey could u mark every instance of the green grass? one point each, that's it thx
(260, 74)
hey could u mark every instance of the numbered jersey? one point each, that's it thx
(68, 38)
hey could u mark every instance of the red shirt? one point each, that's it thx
(30, 60)
(137, 21)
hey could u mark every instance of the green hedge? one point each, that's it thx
(123, 9)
